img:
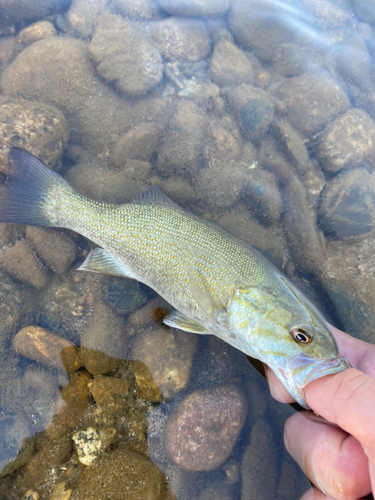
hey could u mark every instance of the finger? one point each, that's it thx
(277, 389)
(351, 396)
(314, 494)
(355, 350)
(333, 460)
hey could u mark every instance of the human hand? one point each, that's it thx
(336, 450)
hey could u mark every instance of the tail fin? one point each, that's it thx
(23, 194)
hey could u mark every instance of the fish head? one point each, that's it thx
(286, 332)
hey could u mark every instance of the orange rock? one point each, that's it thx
(42, 346)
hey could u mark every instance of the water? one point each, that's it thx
(257, 115)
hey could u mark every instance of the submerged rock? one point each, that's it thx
(35, 32)
(312, 101)
(347, 141)
(37, 127)
(229, 65)
(202, 431)
(124, 56)
(347, 205)
(182, 39)
(196, 8)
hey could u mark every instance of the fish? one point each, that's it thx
(216, 283)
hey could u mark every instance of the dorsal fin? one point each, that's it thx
(154, 196)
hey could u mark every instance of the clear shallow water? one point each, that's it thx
(256, 115)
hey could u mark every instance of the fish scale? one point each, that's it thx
(217, 284)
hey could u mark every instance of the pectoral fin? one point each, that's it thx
(179, 320)
(100, 261)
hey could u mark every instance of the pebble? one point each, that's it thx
(312, 101)
(294, 146)
(40, 129)
(103, 387)
(104, 342)
(141, 9)
(42, 346)
(182, 39)
(196, 8)
(180, 153)
(139, 143)
(290, 60)
(60, 492)
(82, 17)
(230, 66)
(8, 51)
(145, 382)
(18, 10)
(325, 14)
(253, 110)
(202, 431)
(178, 190)
(15, 305)
(261, 195)
(347, 206)
(125, 295)
(124, 56)
(35, 32)
(121, 474)
(249, 22)
(54, 247)
(347, 141)
(170, 366)
(260, 464)
(21, 262)
(88, 444)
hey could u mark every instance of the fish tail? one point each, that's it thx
(24, 196)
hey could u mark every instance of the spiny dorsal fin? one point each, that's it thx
(154, 196)
(179, 320)
(100, 261)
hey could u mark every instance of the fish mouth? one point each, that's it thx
(302, 370)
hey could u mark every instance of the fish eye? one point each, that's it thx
(301, 335)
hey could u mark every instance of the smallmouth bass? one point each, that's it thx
(217, 284)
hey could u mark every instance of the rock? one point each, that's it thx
(218, 187)
(121, 474)
(82, 16)
(261, 195)
(181, 150)
(137, 170)
(196, 8)
(88, 444)
(21, 262)
(325, 14)
(39, 128)
(142, 9)
(60, 492)
(178, 190)
(202, 431)
(253, 110)
(145, 383)
(126, 295)
(312, 101)
(258, 25)
(182, 39)
(98, 182)
(290, 60)
(15, 305)
(259, 464)
(104, 341)
(103, 387)
(54, 247)
(347, 206)
(170, 366)
(35, 32)
(347, 141)
(123, 56)
(18, 10)
(42, 346)
(139, 143)
(95, 111)
(353, 61)
(293, 146)
(8, 51)
(230, 66)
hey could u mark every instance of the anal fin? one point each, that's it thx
(101, 261)
(179, 320)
